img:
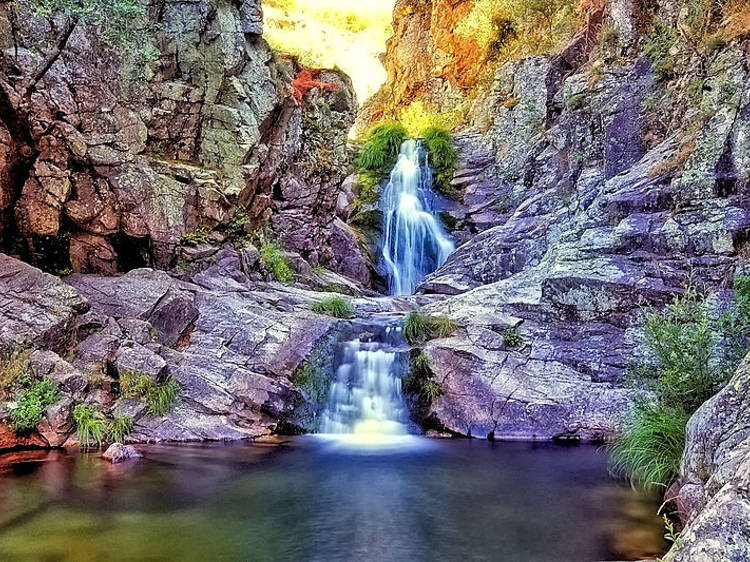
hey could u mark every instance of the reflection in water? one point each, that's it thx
(451, 500)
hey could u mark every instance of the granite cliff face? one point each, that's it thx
(104, 167)
(590, 186)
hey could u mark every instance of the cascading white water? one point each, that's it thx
(365, 399)
(414, 241)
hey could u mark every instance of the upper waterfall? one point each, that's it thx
(415, 243)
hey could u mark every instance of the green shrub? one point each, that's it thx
(31, 405)
(91, 425)
(650, 449)
(512, 337)
(338, 307)
(693, 356)
(119, 428)
(276, 262)
(419, 328)
(377, 156)
(237, 229)
(443, 158)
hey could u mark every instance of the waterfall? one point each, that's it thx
(365, 397)
(415, 242)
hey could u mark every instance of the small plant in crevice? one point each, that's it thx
(420, 381)
(443, 157)
(659, 48)
(276, 262)
(28, 410)
(237, 228)
(338, 307)
(512, 338)
(419, 328)
(197, 237)
(91, 425)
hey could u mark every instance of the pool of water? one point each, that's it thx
(315, 499)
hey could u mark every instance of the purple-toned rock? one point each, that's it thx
(117, 453)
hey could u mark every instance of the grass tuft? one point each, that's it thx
(650, 450)
(119, 428)
(276, 262)
(160, 398)
(91, 425)
(338, 307)
(419, 328)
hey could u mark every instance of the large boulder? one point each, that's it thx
(715, 478)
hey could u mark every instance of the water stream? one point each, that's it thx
(365, 400)
(414, 240)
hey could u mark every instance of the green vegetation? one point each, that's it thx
(512, 337)
(513, 29)
(276, 262)
(377, 156)
(658, 48)
(443, 159)
(420, 382)
(237, 229)
(28, 410)
(160, 397)
(419, 328)
(198, 236)
(338, 307)
(693, 356)
(418, 117)
(119, 428)
(91, 425)
(123, 23)
(14, 370)
(313, 377)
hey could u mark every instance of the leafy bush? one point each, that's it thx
(512, 338)
(29, 409)
(276, 262)
(693, 356)
(443, 159)
(338, 307)
(123, 23)
(119, 428)
(378, 155)
(91, 424)
(237, 230)
(419, 328)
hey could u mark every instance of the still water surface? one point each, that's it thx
(315, 500)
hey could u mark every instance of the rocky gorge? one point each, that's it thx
(136, 209)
